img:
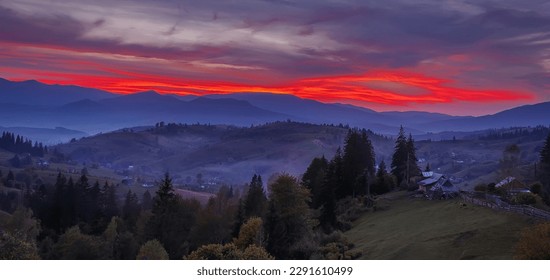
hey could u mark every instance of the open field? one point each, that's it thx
(420, 229)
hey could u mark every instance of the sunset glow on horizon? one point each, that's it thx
(456, 58)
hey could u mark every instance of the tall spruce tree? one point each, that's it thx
(109, 202)
(400, 157)
(332, 190)
(314, 180)
(131, 209)
(545, 152)
(358, 162)
(335, 174)
(146, 201)
(544, 172)
(412, 169)
(384, 181)
(255, 202)
(172, 219)
(404, 165)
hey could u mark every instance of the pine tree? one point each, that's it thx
(544, 173)
(545, 152)
(412, 169)
(69, 213)
(146, 201)
(172, 219)
(404, 162)
(94, 211)
(314, 180)
(380, 185)
(335, 175)
(358, 162)
(82, 199)
(131, 209)
(400, 157)
(255, 202)
(109, 202)
(57, 203)
(165, 196)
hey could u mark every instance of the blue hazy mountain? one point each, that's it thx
(33, 104)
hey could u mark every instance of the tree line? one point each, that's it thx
(18, 144)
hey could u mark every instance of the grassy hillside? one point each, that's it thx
(421, 229)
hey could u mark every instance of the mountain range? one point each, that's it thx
(37, 105)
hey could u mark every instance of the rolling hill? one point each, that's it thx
(220, 153)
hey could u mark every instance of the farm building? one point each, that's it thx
(437, 186)
(512, 186)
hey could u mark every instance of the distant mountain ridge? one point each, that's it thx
(35, 93)
(34, 104)
(526, 115)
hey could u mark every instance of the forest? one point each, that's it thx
(286, 217)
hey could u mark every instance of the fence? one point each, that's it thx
(503, 206)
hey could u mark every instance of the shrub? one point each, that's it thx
(524, 198)
(229, 252)
(152, 250)
(335, 246)
(348, 210)
(534, 243)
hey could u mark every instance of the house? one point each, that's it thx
(437, 186)
(512, 186)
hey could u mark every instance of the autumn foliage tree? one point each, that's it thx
(534, 243)
(152, 250)
(288, 223)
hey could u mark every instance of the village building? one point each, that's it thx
(512, 186)
(437, 186)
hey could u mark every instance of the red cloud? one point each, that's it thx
(71, 68)
(325, 89)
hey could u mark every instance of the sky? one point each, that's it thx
(449, 56)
